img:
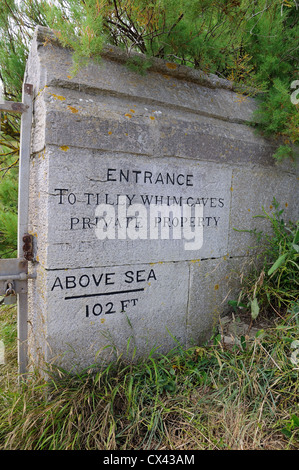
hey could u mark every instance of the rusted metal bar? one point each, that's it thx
(13, 107)
(14, 269)
(17, 277)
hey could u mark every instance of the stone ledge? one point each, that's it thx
(45, 35)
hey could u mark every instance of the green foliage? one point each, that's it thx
(78, 25)
(8, 209)
(138, 65)
(274, 285)
(17, 22)
(14, 42)
(273, 45)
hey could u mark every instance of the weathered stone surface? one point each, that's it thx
(170, 83)
(132, 305)
(175, 138)
(100, 122)
(213, 282)
(254, 189)
(69, 185)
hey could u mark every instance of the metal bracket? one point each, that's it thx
(13, 279)
(15, 107)
(13, 276)
(16, 277)
(28, 247)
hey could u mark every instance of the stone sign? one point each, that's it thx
(137, 183)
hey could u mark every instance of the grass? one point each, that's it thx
(202, 398)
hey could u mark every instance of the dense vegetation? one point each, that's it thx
(254, 43)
